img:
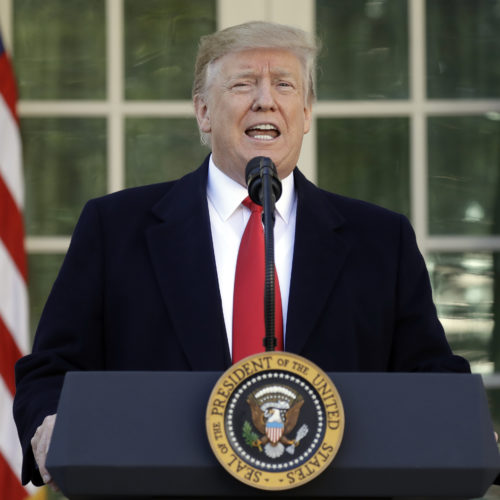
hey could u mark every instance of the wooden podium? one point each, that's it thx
(142, 435)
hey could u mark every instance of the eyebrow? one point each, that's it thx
(275, 72)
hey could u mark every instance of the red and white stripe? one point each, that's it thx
(274, 432)
(13, 281)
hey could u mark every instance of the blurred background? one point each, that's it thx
(408, 117)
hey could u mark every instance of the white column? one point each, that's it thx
(418, 122)
(6, 22)
(115, 97)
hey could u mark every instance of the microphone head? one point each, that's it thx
(255, 169)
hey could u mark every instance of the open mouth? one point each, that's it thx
(263, 132)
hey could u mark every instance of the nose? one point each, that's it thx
(264, 97)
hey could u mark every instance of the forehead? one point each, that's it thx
(259, 62)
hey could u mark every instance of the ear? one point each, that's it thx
(202, 114)
(307, 117)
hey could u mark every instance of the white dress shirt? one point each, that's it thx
(228, 219)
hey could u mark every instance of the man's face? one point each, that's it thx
(255, 106)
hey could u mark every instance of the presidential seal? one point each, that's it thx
(275, 420)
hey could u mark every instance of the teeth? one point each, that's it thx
(264, 126)
(263, 132)
(263, 137)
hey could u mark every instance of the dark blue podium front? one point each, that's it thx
(142, 435)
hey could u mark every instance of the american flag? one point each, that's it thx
(13, 281)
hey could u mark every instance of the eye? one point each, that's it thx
(241, 84)
(240, 87)
(285, 85)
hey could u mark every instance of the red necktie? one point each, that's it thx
(248, 301)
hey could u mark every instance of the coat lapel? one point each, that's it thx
(319, 254)
(181, 249)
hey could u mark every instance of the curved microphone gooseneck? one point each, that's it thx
(264, 188)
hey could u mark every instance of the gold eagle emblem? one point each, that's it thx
(275, 410)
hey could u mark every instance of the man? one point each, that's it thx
(148, 280)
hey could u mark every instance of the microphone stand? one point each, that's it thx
(268, 219)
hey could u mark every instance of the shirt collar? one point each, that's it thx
(226, 195)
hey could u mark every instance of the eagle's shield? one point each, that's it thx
(274, 431)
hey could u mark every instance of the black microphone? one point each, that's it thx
(264, 188)
(258, 169)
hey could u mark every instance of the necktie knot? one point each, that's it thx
(251, 205)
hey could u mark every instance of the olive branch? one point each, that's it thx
(248, 434)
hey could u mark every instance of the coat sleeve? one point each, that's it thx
(419, 342)
(69, 335)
